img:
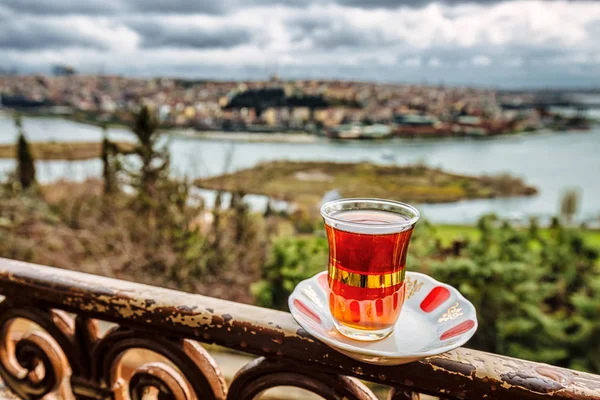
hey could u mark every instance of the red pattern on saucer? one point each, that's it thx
(435, 298)
(435, 318)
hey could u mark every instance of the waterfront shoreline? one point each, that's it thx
(249, 137)
(65, 151)
(539, 158)
(292, 137)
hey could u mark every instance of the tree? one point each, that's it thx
(568, 205)
(163, 208)
(109, 170)
(534, 228)
(290, 261)
(241, 221)
(25, 162)
(154, 160)
(537, 296)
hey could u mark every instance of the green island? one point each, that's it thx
(305, 182)
(69, 151)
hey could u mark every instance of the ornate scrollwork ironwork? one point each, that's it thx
(194, 375)
(158, 379)
(262, 374)
(66, 357)
(33, 363)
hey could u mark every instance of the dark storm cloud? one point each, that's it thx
(380, 3)
(155, 34)
(211, 7)
(30, 35)
(178, 6)
(115, 7)
(369, 4)
(63, 7)
(331, 33)
(394, 4)
(207, 6)
(346, 37)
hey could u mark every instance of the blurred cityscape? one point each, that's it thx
(339, 109)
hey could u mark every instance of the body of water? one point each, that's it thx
(551, 161)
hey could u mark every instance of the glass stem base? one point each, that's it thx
(362, 334)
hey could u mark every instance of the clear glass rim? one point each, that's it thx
(396, 225)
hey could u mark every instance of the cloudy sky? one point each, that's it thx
(494, 43)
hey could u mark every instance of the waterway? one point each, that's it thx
(551, 161)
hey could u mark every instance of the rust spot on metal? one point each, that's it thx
(277, 340)
(528, 381)
(453, 366)
(302, 332)
(553, 374)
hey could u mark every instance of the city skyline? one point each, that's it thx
(484, 43)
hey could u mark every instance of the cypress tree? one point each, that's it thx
(108, 170)
(25, 162)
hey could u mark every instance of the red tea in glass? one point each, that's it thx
(368, 241)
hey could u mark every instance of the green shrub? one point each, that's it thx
(290, 261)
(537, 298)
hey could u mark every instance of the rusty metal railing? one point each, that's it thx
(66, 354)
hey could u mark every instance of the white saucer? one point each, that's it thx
(435, 318)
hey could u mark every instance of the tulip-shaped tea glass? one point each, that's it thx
(368, 241)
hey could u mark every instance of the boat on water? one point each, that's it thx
(416, 125)
(360, 132)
